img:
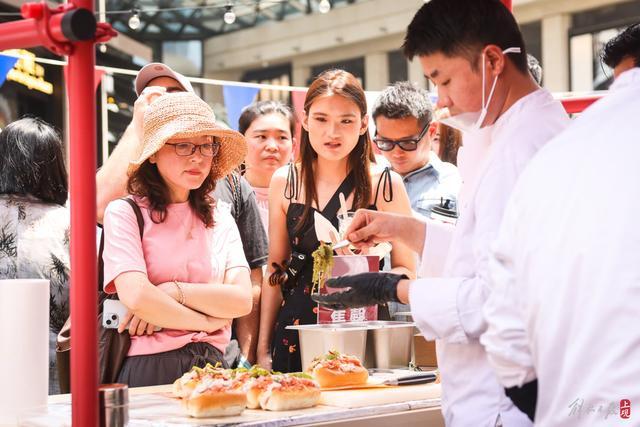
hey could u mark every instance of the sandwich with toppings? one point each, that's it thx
(254, 381)
(213, 391)
(216, 397)
(338, 370)
(186, 384)
(287, 392)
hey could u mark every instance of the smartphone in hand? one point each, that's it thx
(113, 311)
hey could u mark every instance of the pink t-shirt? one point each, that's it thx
(180, 248)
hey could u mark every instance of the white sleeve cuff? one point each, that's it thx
(436, 248)
(434, 307)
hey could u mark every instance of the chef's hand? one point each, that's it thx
(366, 289)
(369, 228)
(340, 251)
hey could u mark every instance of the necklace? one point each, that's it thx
(188, 229)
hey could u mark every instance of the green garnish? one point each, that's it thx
(322, 265)
(333, 355)
(300, 375)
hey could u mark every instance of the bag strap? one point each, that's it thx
(138, 212)
(237, 193)
(140, 220)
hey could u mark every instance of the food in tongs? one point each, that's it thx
(322, 265)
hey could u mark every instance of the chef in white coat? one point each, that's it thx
(474, 52)
(565, 270)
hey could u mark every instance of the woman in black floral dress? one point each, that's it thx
(335, 157)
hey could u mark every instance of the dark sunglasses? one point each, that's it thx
(188, 148)
(407, 144)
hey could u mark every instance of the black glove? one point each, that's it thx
(366, 289)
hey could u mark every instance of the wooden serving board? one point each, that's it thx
(379, 395)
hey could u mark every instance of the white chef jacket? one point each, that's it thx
(566, 270)
(449, 308)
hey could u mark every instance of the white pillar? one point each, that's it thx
(300, 74)
(416, 73)
(555, 52)
(376, 71)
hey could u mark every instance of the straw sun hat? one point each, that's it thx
(185, 115)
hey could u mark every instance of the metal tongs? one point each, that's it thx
(341, 244)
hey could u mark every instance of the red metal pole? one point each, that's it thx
(508, 4)
(22, 34)
(82, 117)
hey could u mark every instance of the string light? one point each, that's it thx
(324, 6)
(229, 16)
(134, 21)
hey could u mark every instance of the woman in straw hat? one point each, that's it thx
(187, 276)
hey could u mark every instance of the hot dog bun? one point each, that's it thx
(338, 370)
(214, 403)
(285, 400)
(329, 378)
(186, 384)
(287, 392)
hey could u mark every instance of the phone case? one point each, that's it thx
(112, 311)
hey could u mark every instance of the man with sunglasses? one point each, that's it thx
(402, 115)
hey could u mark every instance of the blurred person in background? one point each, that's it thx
(34, 218)
(445, 142)
(268, 127)
(335, 156)
(188, 275)
(534, 68)
(232, 192)
(622, 53)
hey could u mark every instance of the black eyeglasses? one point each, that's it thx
(407, 144)
(188, 148)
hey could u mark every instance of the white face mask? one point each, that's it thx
(468, 122)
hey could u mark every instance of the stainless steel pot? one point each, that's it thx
(389, 344)
(316, 340)
(378, 344)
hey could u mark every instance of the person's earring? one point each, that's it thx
(152, 159)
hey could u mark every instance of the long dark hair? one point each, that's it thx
(343, 83)
(147, 182)
(32, 161)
